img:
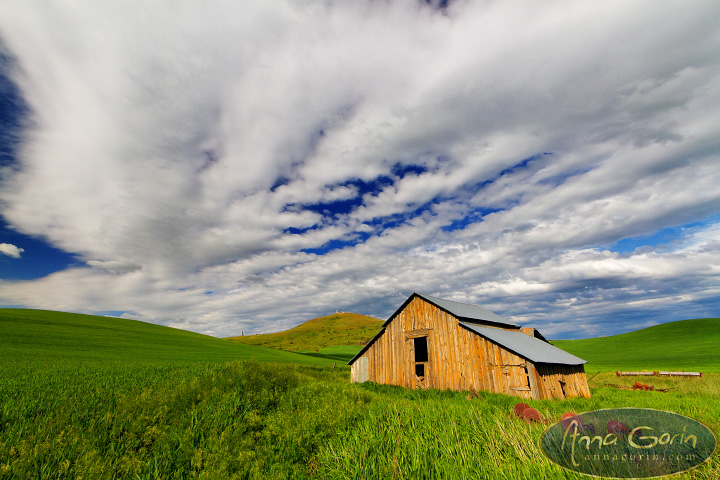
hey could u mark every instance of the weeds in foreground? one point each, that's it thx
(256, 420)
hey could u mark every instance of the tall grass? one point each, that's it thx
(257, 420)
(238, 420)
(438, 435)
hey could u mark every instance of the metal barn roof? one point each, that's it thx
(526, 346)
(467, 311)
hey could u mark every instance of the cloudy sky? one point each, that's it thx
(245, 166)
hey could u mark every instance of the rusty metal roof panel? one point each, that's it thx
(525, 346)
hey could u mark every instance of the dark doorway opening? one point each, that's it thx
(420, 370)
(421, 349)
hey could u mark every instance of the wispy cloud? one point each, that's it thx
(247, 167)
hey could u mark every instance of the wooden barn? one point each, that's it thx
(434, 343)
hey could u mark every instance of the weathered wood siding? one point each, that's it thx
(459, 359)
(561, 381)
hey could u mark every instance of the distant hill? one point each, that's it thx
(690, 345)
(319, 333)
(41, 336)
(35, 337)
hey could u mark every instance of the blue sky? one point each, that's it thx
(248, 168)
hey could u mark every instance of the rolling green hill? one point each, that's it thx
(691, 345)
(341, 329)
(40, 336)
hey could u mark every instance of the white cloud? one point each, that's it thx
(10, 250)
(175, 149)
(115, 266)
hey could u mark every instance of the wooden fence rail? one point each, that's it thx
(658, 374)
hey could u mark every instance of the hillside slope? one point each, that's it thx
(318, 333)
(39, 336)
(691, 345)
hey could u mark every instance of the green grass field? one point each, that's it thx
(349, 329)
(40, 337)
(690, 345)
(93, 398)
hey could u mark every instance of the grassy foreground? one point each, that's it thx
(256, 420)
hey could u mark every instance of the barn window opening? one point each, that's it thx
(421, 349)
(420, 370)
(562, 388)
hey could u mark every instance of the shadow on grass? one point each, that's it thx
(344, 358)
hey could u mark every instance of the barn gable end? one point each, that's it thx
(435, 343)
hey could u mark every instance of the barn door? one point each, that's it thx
(517, 379)
(420, 359)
